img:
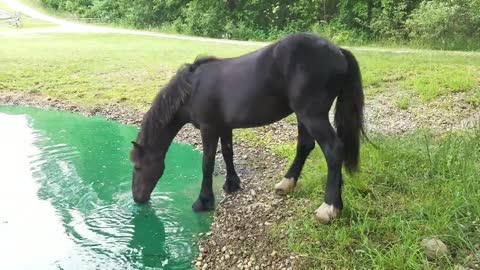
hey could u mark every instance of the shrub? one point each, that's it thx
(205, 18)
(450, 25)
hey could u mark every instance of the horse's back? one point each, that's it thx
(311, 53)
(260, 87)
(232, 90)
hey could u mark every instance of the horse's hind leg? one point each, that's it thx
(319, 126)
(232, 181)
(206, 199)
(305, 145)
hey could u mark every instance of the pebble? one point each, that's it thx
(434, 248)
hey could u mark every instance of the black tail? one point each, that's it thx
(349, 113)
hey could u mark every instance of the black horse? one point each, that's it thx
(301, 73)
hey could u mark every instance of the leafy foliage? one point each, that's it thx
(446, 24)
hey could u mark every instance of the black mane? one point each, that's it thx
(169, 100)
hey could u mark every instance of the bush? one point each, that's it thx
(389, 22)
(446, 25)
(205, 18)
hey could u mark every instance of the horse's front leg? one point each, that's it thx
(206, 199)
(232, 181)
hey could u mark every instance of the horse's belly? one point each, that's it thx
(256, 114)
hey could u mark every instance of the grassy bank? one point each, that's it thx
(94, 69)
(413, 187)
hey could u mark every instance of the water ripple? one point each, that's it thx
(74, 192)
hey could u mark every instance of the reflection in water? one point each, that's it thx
(149, 237)
(65, 197)
(23, 216)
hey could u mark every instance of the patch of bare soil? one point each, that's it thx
(442, 114)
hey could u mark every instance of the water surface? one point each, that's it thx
(65, 200)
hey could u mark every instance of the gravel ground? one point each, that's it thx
(239, 237)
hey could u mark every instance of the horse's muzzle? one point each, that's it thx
(141, 199)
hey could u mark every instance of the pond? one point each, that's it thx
(65, 197)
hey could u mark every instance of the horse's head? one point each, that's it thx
(148, 167)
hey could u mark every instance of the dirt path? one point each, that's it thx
(65, 26)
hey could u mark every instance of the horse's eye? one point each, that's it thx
(137, 168)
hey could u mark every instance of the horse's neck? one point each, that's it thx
(162, 137)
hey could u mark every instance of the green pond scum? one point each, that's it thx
(66, 197)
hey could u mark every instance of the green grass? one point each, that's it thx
(97, 69)
(474, 99)
(403, 103)
(434, 81)
(428, 74)
(411, 188)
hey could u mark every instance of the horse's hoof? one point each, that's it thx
(326, 213)
(232, 184)
(285, 186)
(202, 205)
